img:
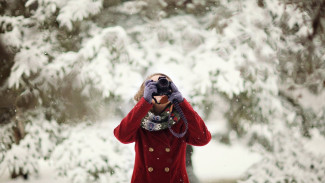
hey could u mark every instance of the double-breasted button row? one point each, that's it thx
(166, 169)
(167, 149)
(150, 169)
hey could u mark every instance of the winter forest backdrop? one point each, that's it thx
(69, 70)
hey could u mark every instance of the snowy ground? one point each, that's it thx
(217, 161)
(212, 162)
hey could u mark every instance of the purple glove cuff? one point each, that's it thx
(176, 95)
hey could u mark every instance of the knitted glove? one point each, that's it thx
(149, 89)
(176, 95)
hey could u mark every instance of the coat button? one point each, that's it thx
(166, 169)
(151, 149)
(150, 169)
(167, 149)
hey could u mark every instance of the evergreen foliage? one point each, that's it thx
(91, 154)
(71, 60)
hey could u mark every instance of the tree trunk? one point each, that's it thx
(19, 134)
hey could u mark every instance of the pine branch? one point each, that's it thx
(317, 26)
(299, 110)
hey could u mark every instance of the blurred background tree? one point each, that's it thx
(69, 62)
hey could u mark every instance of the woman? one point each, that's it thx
(161, 133)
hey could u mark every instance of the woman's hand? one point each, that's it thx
(149, 88)
(176, 95)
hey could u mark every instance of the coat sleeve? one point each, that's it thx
(126, 131)
(197, 134)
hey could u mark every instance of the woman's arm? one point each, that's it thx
(197, 134)
(126, 131)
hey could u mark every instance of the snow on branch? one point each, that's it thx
(77, 10)
(27, 62)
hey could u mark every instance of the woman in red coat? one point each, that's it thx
(161, 128)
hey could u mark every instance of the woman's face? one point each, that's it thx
(158, 98)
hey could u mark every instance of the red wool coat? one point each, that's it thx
(160, 156)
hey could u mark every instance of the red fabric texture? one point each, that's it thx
(159, 156)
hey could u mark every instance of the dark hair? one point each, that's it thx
(139, 94)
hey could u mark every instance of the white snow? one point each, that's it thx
(218, 161)
(46, 175)
(317, 144)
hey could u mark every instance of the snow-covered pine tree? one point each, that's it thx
(20, 155)
(53, 71)
(302, 67)
(253, 39)
(289, 161)
(268, 107)
(92, 154)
